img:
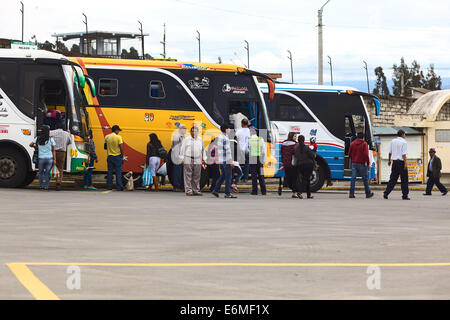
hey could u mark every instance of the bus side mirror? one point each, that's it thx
(91, 85)
(81, 77)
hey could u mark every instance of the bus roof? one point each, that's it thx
(158, 64)
(309, 87)
(30, 54)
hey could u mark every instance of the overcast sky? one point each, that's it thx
(377, 31)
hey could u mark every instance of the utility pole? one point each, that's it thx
(292, 69)
(142, 39)
(367, 77)
(87, 35)
(320, 56)
(248, 54)
(331, 69)
(164, 42)
(199, 47)
(23, 17)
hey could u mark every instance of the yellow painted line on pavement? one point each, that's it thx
(39, 290)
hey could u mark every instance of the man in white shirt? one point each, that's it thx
(192, 156)
(242, 136)
(398, 150)
(177, 172)
(62, 140)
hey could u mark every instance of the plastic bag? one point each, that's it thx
(162, 171)
(55, 174)
(147, 179)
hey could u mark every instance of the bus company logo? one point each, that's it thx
(196, 83)
(4, 129)
(149, 117)
(190, 66)
(227, 88)
(3, 112)
(313, 132)
(182, 117)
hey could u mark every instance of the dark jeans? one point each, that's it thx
(291, 178)
(45, 165)
(225, 176)
(360, 170)
(257, 174)
(214, 173)
(178, 180)
(88, 175)
(305, 172)
(435, 181)
(246, 168)
(114, 163)
(398, 170)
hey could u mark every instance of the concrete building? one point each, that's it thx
(431, 114)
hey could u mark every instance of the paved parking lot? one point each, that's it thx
(145, 245)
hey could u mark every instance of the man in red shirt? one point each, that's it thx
(359, 155)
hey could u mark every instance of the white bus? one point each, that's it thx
(333, 115)
(39, 87)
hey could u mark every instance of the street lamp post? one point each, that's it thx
(164, 42)
(23, 17)
(331, 69)
(292, 69)
(87, 33)
(248, 53)
(199, 47)
(367, 77)
(142, 38)
(320, 55)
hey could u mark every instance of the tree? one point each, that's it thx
(47, 45)
(61, 47)
(134, 54)
(75, 49)
(432, 81)
(148, 57)
(381, 87)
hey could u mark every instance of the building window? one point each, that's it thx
(442, 136)
(157, 90)
(108, 87)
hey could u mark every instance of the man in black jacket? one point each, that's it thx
(434, 174)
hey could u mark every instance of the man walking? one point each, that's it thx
(114, 147)
(192, 156)
(359, 155)
(177, 173)
(434, 174)
(62, 140)
(242, 136)
(257, 158)
(398, 150)
(225, 161)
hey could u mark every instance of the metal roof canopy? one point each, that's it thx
(430, 104)
(392, 131)
(98, 34)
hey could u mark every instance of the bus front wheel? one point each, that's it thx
(13, 168)
(317, 179)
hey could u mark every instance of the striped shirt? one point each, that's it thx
(62, 139)
(223, 151)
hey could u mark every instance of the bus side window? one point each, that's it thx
(108, 87)
(157, 90)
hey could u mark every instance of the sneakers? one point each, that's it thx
(352, 196)
(427, 194)
(445, 193)
(215, 194)
(385, 196)
(406, 198)
(230, 196)
(370, 195)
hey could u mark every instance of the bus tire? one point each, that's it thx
(31, 175)
(317, 179)
(13, 168)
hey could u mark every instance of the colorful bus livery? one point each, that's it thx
(34, 84)
(150, 96)
(333, 115)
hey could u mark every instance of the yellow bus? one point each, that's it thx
(151, 96)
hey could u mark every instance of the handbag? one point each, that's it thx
(147, 179)
(36, 156)
(55, 174)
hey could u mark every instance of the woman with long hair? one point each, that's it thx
(153, 159)
(304, 162)
(47, 155)
(290, 172)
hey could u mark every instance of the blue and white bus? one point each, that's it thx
(333, 115)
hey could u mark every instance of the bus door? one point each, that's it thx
(350, 136)
(247, 108)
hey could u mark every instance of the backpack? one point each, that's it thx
(162, 153)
